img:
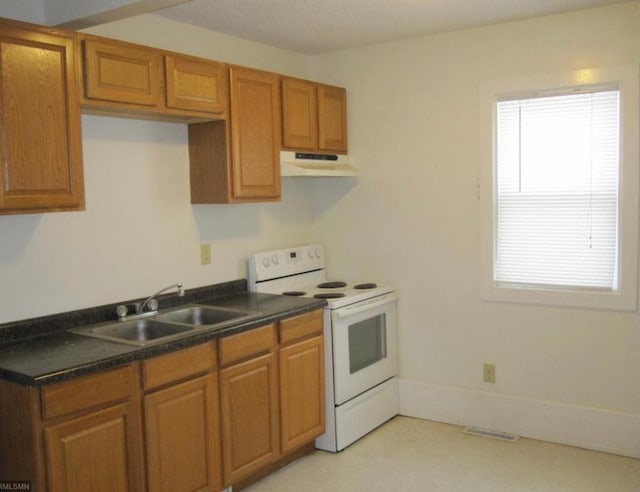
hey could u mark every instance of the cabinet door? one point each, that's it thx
(122, 73)
(40, 135)
(196, 85)
(299, 114)
(98, 452)
(332, 119)
(182, 437)
(255, 135)
(301, 392)
(249, 402)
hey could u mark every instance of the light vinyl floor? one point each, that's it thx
(408, 454)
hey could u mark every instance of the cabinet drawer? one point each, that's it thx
(178, 365)
(301, 326)
(88, 392)
(247, 344)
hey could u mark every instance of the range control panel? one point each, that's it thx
(268, 265)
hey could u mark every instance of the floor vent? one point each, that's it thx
(502, 436)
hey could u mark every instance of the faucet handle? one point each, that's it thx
(122, 311)
(152, 304)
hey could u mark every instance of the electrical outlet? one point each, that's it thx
(489, 372)
(205, 254)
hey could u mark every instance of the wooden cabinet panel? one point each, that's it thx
(178, 365)
(332, 119)
(132, 80)
(182, 438)
(235, 348)
(314, 116)
(255, 135)
(301, 326)
(22, 455)
(250, 427)
(238, 160)
(40, 133)
(196, 85)
(97, 452)
(88, 392)
(301, 393)
(299, 110)
(122, 72)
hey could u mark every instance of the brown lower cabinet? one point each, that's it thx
(198, 419)
(94, 451)
(249, 402)
(301, 392)
(181, 421)
(74, 436)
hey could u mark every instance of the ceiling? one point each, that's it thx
(322, 26)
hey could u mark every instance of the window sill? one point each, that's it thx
(562, 297)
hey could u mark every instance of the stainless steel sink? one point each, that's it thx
(197, 315)
(135, 332)
(165, 325)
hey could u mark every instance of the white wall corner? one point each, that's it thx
(590, 428)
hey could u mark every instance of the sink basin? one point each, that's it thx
(135, 332)
(166, 325)
(196, 315)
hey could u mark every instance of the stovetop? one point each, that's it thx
(336, 293)
(301, 272)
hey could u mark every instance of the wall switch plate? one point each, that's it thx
(489, 373)
(205, 254)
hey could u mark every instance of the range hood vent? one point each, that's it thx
(320, 165)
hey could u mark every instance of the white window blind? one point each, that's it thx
(556, 203)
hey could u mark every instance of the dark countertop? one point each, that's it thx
(46, 353)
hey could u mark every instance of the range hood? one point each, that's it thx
(309, 164)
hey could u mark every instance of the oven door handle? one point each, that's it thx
(362, 306)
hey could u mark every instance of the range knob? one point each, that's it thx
(275, 259)
(266, 261)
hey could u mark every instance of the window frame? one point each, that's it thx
(626, 80)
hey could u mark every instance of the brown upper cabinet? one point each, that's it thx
(237, 115)
(238, 161)
(129, 79)
(314, 116)
(196, 85)
(40, 132)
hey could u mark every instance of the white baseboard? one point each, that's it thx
(590, 428)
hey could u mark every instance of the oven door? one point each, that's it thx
(365, 349)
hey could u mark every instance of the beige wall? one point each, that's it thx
(413, 218)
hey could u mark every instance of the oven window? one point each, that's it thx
(367, 342)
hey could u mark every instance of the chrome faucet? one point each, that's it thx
(151, 302)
